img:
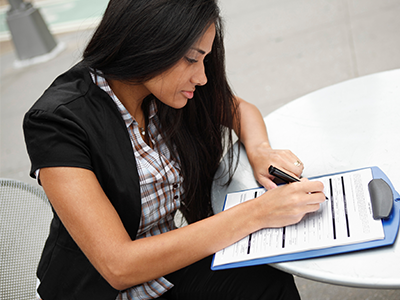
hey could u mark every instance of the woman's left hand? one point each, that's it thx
(263, 156)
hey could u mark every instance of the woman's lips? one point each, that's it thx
(188, 94)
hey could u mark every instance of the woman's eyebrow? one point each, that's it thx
(199, 50)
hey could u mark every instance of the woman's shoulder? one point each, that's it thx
(74, 88)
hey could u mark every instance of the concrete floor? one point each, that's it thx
(277, 51)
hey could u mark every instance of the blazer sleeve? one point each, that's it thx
(56, 139)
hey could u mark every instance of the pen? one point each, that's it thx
(283, 176)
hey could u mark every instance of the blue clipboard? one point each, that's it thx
(390, 227)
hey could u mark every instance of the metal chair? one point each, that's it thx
(25, 216)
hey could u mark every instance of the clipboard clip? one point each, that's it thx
(381, 198)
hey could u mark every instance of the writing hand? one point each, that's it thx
(288, 204)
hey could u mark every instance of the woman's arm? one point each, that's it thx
(96, 227)
(254, 136)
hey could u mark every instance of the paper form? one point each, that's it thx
(345, 218)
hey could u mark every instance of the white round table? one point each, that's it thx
(350, 125)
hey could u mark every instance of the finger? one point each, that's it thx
(313, 207)
(316, 189)
(290, 163)
(267, 183)
(296, 166)
(312, 186)
(316, 198)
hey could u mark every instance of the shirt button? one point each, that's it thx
(175, 186)
(176, 197)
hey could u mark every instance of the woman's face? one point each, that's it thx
(175, 86)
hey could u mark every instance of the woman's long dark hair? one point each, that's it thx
(139, 39)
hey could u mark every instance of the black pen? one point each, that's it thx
(283, 176)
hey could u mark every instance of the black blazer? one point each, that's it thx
(77, 124)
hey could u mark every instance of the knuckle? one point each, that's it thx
(320, 185)
(296, 187)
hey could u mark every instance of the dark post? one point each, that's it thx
(29, 32)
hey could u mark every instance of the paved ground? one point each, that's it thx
(60, 15)
(277, 51)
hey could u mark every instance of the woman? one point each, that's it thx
(135, 132)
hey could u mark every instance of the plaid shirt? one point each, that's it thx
(160, 185)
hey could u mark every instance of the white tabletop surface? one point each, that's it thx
(350, 125)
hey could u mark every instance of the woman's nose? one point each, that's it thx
(199, 77)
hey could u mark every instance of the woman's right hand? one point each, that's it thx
(93, 223)
(288, 204)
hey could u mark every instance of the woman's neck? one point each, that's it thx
(131, 96)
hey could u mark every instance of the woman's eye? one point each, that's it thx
(191, 60)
